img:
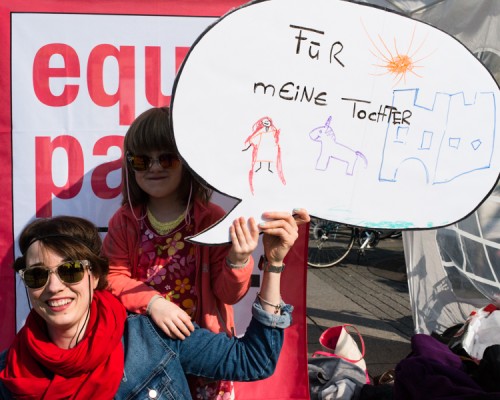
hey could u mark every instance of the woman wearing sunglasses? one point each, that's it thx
(79, 343)
(153, 269)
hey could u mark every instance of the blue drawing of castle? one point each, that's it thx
(451, 138)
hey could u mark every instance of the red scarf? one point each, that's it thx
(37, 369)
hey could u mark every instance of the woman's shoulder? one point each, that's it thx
(143, 336)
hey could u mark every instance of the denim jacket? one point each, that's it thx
(155, 365)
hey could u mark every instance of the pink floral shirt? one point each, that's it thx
(167, 263)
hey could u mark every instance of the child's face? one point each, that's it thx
(159, 182)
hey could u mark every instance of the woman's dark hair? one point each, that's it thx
(152, 131)
(70, 237)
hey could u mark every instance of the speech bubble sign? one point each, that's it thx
(360, 115)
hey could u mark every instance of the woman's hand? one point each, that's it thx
(245, 238)
(280, 233)
(171, 319)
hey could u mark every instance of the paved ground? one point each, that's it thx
(370, 293)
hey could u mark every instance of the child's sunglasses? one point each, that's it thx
(68, 272)
(143, 163)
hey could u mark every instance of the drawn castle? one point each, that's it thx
(457, 137)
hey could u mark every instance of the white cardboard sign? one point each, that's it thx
(358, 114)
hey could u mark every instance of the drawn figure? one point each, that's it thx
(264, 141)
(330, 148)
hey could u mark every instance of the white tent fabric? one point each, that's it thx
(455, 269)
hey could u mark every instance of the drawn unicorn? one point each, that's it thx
(264, 141)
(330, 148)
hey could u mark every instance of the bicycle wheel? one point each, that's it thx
(367, 238)
(329, 243)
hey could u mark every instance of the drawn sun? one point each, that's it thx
(395, 62)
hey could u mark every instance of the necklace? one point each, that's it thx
(163, 227)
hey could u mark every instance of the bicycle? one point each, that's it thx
(330, 242)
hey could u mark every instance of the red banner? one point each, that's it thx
(290, 381)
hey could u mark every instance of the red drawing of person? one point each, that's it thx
(264, 141)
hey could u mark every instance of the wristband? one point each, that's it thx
(277, 307)
(265, 266)
(236, 266)
(150, 304)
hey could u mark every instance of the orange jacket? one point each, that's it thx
(218, 286)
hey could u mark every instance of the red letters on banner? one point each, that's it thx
(125, 94)
(44, 148)
(99, 174)
(45, 185)
(42, 73)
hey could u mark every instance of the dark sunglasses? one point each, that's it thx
(143, 163)
(68, 272)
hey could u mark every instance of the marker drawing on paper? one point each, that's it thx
(450, 144)
(331, 148)
(395, 62)
(406, 127)
(265, 145)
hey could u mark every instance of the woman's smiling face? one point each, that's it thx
(64, 307)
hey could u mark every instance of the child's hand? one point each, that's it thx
(245, 238)
(171, 319)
